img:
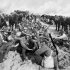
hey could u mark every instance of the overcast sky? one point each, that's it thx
(52, 7)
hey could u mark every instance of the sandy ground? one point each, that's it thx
(13, 61)
(52, 30)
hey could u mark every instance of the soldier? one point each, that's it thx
(57, 23)
(22, 46)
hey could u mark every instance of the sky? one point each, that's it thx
(49, 7)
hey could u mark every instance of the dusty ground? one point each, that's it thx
(52, 30)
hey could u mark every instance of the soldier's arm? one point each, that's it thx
(22, 41)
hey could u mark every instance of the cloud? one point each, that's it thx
(55, 8)
(51, 7)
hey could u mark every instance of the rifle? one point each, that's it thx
(53, 44)
(56, 64)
